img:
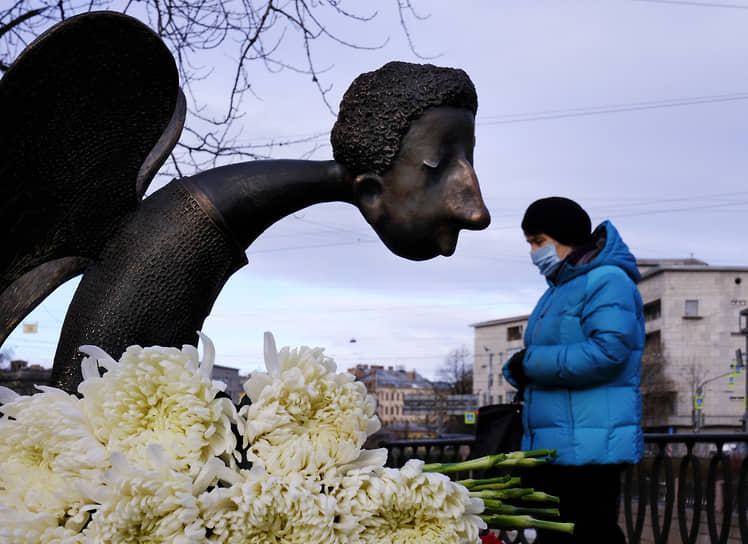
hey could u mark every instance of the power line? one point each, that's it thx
(586, 112)
(551, 114)
(658, 102)
(695, 4)
(295, 248)
(674, 210)
(638, 202)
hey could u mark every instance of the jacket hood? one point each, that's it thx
(614, 252)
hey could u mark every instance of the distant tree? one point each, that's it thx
(204, 34)
(457, 371)
(695, 374)
(658, 392)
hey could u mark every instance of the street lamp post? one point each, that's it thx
(742, 363)
(743, 328)
(700, 393)
(698, 411)
(490, 373)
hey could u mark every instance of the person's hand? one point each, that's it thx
(517, 372)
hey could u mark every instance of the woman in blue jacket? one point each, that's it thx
(579, 371)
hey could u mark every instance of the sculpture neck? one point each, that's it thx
(249, 197)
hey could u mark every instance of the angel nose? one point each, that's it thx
(467, 202)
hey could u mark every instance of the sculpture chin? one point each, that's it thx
(448, 243)
(423, 250)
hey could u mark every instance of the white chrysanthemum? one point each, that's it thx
(145, 505)
(158, 395)
(48, 454)
(24, 527)
(264, 509)
(305, 418)
(408, 506)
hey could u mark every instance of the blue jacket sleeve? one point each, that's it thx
(507, 373)
(611, 331)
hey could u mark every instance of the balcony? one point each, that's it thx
(688, 488)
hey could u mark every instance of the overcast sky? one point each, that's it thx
(637, 109)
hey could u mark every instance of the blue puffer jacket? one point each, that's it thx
(584, 342)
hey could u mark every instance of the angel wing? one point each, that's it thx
(90, 110)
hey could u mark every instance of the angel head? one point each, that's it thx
(406, 133)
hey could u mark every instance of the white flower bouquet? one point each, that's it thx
(152, 451)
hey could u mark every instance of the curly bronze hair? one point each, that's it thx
(378, 107)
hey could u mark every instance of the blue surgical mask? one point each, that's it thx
(546, 259)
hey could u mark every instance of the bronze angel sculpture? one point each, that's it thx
(92, 109)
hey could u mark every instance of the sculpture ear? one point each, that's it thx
(367, 189)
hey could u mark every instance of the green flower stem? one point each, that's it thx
(513, 482)
(509, 522)
(498, 507)
(470, 483)
(539, 496)
(532, 453)
(471, 464)
(512, 493)
(514, 458)
(521, 462)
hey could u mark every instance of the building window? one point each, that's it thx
(652, 310)
(652, 340)
(514, 333)
(692, 308)
(510, 396)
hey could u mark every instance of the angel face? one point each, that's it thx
(419, 205)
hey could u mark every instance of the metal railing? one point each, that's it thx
(688, 488)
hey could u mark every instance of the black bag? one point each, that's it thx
(498, 430)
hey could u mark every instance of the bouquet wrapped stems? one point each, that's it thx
(497, 490)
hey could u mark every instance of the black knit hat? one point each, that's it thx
(560, 218)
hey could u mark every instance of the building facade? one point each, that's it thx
(495, 342)
(690, 379)
(689, 375)
(23, 379)
(388, 386)
(233, 380)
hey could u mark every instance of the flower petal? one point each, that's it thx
(209, 355)
(271, 355)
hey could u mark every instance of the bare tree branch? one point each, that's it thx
(457, 371)
(198, 32)
(19, 20)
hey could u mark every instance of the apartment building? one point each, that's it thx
(692, 315)
(389, 386)
(693, 326)
(495, 342)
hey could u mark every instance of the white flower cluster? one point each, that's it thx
(147, 454)
(305, 418)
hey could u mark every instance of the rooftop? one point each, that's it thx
(390, 376)
(502, 321)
